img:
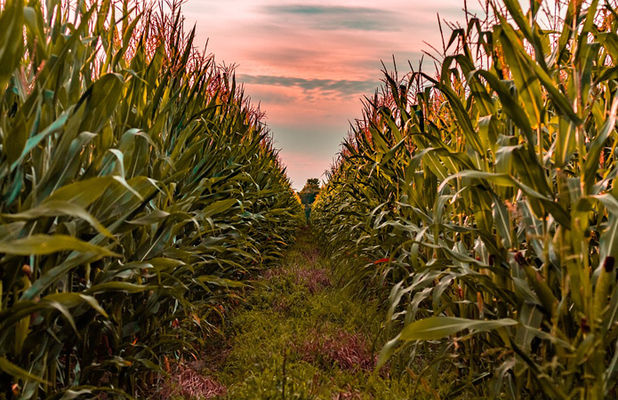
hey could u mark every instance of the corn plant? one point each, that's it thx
(137, 185)
(485, 199)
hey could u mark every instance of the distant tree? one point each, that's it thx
(308, 194)
(310, 191)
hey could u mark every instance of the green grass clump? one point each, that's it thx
(137, 185)
(291, 334)
(482, 202)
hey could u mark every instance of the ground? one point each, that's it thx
(301, 334)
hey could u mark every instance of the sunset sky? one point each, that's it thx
(308, 63)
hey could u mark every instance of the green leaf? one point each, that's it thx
(57, 208)
(40, 244)
(592, 158)
(118, 286)
(509, 104)
(83, 193)
(502, 220)
(433, 328)
(528, 86)
(71, 300)
(19, 373)
(218, 207)
(215, 280)
(11, 39)
(35, 140)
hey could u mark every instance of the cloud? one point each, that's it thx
(342, 86)
(374, 64)
(330, 18)
(270, 95)
(284, 52)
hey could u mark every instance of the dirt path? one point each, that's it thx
(300, 335)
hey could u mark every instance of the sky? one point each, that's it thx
(308, 63)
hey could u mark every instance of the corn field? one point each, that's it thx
(484, 202)
(138, 187)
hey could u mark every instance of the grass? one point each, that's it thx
(301, 335)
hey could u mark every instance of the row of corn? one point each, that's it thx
(137, 188)
(483, 203)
